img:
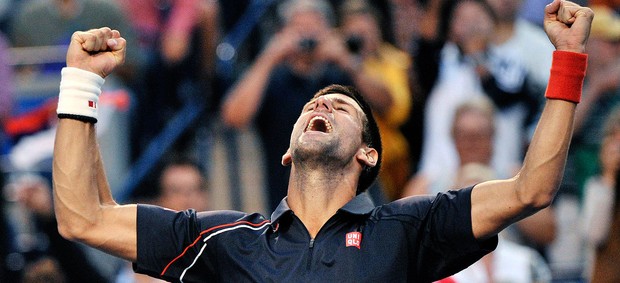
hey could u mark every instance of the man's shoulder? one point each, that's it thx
(215, 219)
(421, 206)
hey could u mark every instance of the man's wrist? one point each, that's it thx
(79, 94)
(568, 71)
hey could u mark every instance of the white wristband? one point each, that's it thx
(79, 94)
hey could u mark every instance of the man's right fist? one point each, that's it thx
(98, 51)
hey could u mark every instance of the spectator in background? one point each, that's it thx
(305, 55)
(40, 23)
(404, 12)
(182, 186)
(359, 25)
(520, 74)
(600, 202)
(6, 92)
(510, 261)
(178, 40)
(468, 66)
(43, 270)
(608, 254)
(52, 22)
(34, 194)
(462, 35)
(601, 94)
(473, 132)
(423, 38)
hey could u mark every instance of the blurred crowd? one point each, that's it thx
(456, 86)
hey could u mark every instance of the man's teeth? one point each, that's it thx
(323, 125)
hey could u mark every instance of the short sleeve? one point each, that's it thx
(439, 233)
(450, 241)
(163, 236)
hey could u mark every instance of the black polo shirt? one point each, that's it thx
(416, 239)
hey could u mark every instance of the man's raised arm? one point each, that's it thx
(497, 204)
(83, 203)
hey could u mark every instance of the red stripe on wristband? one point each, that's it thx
(567, 73)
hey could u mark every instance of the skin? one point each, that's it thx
(86, 212)
(326, 166)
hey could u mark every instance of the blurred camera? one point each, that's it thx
(355, 43)
(307, 44)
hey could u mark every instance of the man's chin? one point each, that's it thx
(314, 138)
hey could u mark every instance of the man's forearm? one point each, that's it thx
(103, 187)
(76, 198)
(83, 202)
(544, 163)
(543, 166)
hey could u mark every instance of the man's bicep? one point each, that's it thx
(116, 233)
(494, 206)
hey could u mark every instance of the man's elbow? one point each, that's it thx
(66, 231)
(74, 230)
(536, 201)
(536, 193)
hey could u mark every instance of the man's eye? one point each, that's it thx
(339, 108)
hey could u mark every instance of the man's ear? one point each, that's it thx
(368, 156)
(286, 158)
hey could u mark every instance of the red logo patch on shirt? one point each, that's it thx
(353, 239)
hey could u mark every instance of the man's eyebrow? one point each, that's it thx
(335, 99)
(343, 101)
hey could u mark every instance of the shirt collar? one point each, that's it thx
(282, 209)
(360, 204)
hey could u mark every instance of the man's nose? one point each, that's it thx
(324, 103)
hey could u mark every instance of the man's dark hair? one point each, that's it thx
(370, 132)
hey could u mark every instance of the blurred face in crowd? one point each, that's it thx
(471, 24)
(310, 26)
(362, 26)
(309, 23)
(182, 187)
(506, 10)
(473, 137)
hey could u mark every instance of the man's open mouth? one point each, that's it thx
(319, 124)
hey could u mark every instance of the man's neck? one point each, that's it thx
(316, 196)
